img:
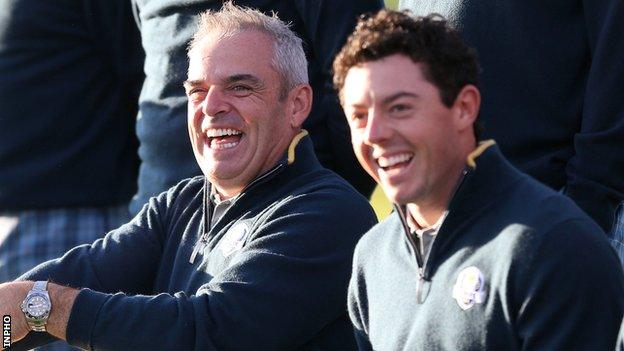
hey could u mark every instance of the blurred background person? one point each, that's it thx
(70, 74)
(552, 86)
(166, 27)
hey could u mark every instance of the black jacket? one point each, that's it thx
(70, 74)
(272, 276)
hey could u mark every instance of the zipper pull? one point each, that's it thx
(419, 286)
(199, 247)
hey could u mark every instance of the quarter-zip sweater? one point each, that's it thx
(272, 272)
(549, 278)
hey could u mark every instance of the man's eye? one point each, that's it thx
(194, 92)
(240, 90)
(358, 119)
(399, 108)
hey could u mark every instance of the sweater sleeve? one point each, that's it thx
(116, 35)
(594, 173)
(570, 294)
(327, 24)
(278, 292)
(126, 260)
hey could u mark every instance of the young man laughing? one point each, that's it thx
(477, 255)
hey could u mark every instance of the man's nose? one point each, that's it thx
(377, 128)
(214, 102)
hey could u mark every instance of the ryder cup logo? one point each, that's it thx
(234, 238)
(469, 288)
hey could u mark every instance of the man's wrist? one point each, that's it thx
(22, 290)
(63, 299)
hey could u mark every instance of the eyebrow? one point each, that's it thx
(389, 99)
(191, 83)
(398, 95)
(253, 80)
(243, 77)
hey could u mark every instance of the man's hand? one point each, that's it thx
(11, 297)
(62, 297)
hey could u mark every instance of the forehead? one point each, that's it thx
(216, 56)
(373, 81)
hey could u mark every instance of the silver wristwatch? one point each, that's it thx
(36, 306)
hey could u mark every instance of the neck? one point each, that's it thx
(224, 194)
(420, 218)
(426, 213)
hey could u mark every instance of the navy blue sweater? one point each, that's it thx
(167, 26)
(70, 73)
(273, 275)
(553, 90)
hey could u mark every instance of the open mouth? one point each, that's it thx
(223, 138)
(394, 161)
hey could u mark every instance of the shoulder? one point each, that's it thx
(325, 211)
(325, 191)
(380, 239)
(185, 196)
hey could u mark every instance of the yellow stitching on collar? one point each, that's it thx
(293, 145)
(478, 151)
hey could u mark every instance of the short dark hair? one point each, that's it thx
(447, 61)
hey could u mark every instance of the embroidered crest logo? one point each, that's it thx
(469, 288)
(234, 239)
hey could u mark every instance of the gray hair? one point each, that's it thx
(288, 59)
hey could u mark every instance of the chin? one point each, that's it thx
(392, 194)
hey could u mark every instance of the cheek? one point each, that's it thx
(363, 153)
(193, 117)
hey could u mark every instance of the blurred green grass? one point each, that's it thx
(380, 203)
(392, 4)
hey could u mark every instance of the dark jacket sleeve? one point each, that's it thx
(595, 174)
(126, 260)
(327, 24)
(566, 298)
(113, 26)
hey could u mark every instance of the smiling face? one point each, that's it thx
(403, 135)
(237, 122)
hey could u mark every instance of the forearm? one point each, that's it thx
(62, 300)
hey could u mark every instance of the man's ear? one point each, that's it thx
(467, 105)
(299, 104)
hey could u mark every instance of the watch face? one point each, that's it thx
(37, 306)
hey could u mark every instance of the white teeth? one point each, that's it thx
(393, 160)
(217, 146)
(211, 133)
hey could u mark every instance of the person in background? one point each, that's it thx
(476, 255)
(70, 75)
(254, 254)
(552, 86)
(167, 26)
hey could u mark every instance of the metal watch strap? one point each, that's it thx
(39, 286)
